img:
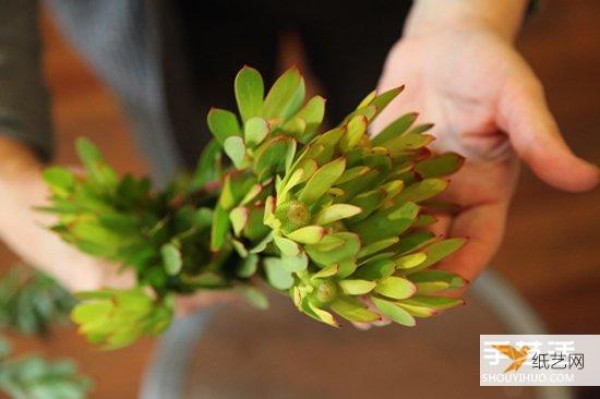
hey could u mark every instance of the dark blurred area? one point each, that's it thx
(551, 249)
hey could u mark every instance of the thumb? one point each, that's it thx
(534, 134)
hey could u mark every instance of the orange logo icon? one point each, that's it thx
(517, 356)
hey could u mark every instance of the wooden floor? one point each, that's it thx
(551, 251)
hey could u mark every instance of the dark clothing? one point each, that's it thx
(345, 42)
(169, 61)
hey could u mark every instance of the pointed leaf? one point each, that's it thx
(208, 166)
(286, 246)
(441, 165)
(256, 298)
(255, 131)
(380, 225)
(422, 190)
(326, 272)
(410, 261)
(239, 218)
(336, 212)
(249, 92)
(394, 312)
(286, 95)
(434, 302)
(432, 281)
(353, 310)
(396, 288)
(236, 150)
(220, 228)
(307, 235)
(322, 180)
(323, 315)
(441, 250)
(312, 113)
(356, 287)
(223, 124)
(395, 129)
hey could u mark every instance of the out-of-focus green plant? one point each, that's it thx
(335, 218)
(30, 303)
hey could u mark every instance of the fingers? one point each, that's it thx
(535, 136)
(483, 226)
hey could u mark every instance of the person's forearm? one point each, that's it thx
(503, 17)
(16, 161)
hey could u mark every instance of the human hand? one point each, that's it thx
(25, 231)
(488, 106)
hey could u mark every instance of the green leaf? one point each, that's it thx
(239, 218)
(336, 253)
(408, 142)
(384, 225)
(249, 266)
(377, 246)
(325, 272)
(270, 156)
(439, 251)
(88, 152)
(286, 246)
(208, 168)
(60, 180)
(418, 311)
(296, 263)
(255, 131)
(413, 242)
(410, 261)
(256, 298)
(312, 113)
(355, 131)
(286, 96)
(436, 280)
(322, 180)
(249, 92)
(353, 310)
(323, 315)
(277, 276)
(434, 302)
(396, 288)
(171, 257)
(394, 312)
(375, 270)
(336, 212)
(395, 129)
(440, 165)
(223, 124)
(422, 190)
(356, 287)
(382, 100)
(236, 150)
(307, 235)
(220, 228)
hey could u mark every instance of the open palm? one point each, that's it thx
(488, 106)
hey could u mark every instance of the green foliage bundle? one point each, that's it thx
(30, 303)
(335, 219)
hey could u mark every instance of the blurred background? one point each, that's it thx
(551, 250)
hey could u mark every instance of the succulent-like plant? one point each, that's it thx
(336, 218)
(30, 303)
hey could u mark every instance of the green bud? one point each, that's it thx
(293, 215)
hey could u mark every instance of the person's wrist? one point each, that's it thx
(431, 17)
